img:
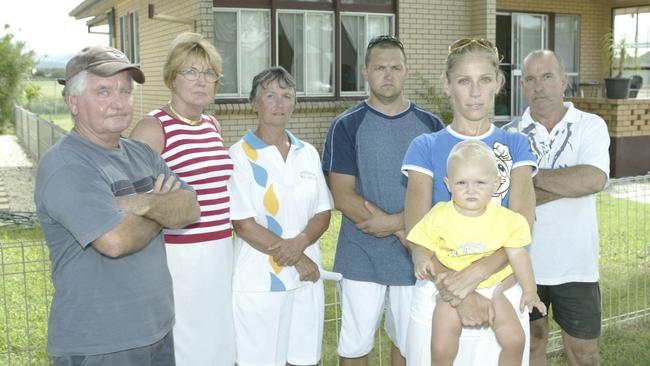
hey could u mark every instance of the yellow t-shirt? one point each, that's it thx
(459, 240)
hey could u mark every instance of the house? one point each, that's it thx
(322, 44)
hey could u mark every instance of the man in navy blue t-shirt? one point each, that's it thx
(362, 159)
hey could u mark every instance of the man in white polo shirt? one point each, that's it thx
(571, 147)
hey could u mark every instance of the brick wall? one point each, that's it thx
(426, 27)
(310, 120)
(624, 117)
(155, 38)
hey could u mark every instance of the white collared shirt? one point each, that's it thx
(565, 235)
(280, 195)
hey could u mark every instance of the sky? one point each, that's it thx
(46, 27)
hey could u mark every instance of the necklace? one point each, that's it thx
(186, 120)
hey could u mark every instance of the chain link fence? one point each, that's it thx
(624, 218)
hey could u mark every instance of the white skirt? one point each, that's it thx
(476, 346)
(202, 277)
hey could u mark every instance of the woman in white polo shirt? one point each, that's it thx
(280, 208)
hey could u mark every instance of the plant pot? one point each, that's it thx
(617, 88)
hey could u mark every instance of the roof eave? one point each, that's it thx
(91, 8)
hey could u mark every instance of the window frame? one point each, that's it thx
(276, 60)
(130, 36)
(239, 95)
(283, 6)
(632, 45)
(392, 19)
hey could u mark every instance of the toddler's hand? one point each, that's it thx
(530, 299)
(424, 269)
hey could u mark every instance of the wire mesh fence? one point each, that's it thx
(36, 134)
(623, 212)
(25, 294)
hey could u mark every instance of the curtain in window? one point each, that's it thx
(255, 46)
(290, 46)
(353, 48)
(225, 39)
(253, 32)
(319, 55)
(379, 25)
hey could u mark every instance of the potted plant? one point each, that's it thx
(616, 87)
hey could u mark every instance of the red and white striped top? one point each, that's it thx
(197, 155)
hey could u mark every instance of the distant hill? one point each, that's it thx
(52, 61)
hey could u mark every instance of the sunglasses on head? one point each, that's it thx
(385, 39)
(464, 42)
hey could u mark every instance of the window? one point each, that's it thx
(243, 40)
(306, 49)
(633, 25)
(129, 36)
(301, 36)
(567, 47)
(356, 31)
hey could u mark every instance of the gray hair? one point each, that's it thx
(474, 151)
(277, 73)
(77, 84)
(540, 54)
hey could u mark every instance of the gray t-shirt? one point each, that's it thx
(101, 304)
(371, 145)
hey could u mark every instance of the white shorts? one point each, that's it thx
(476, 346)
(362, 305)
(202, 275)
(276, 328)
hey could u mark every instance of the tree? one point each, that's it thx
(32, 92)
(15, 64)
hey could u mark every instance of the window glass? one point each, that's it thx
(305, 45)
(353, 48)
(290, 46)
(255, 38)
(356, 31)
(225, 35)
(319, 55)
(243, 40)
(379, 25)
(129, 37)
(633, 25)
(567, 47)
(303, 42)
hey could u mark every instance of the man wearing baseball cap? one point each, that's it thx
(102, 201)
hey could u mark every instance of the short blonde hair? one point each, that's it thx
(472, 151)
(184, 45)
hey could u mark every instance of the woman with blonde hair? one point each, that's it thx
(200, 255)
(471, 79)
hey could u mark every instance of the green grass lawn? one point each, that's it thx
(25, 290)
(25, 295)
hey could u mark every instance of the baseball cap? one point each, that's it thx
(103, 61)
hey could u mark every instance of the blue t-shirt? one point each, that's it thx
(370, 145)
(428, 154)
